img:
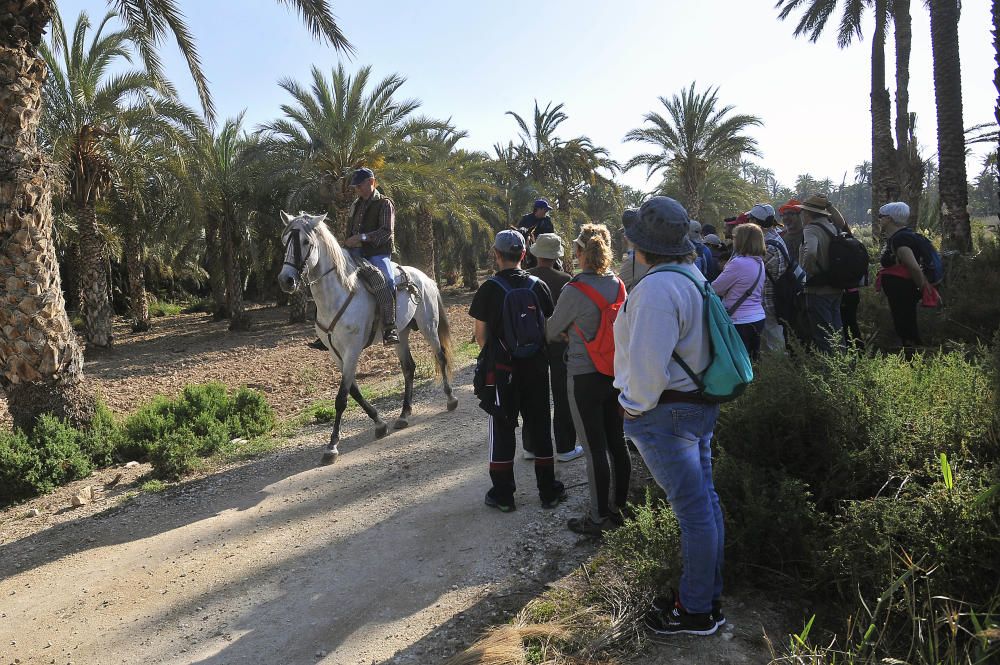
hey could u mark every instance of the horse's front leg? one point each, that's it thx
(409, 367)
(381, 429)
(332, 451)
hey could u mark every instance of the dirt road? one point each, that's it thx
(281, 561)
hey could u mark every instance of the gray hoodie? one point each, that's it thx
(574, 310)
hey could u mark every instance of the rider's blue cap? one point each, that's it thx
(360, 176)
(543, 203)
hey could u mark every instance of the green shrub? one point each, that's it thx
(647, 547)
(60, 458)
(249, 414)
(19, 465)
(176, 455)
(102, 440)
(159, 308)
(200, 306)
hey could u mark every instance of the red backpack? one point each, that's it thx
(601, 349)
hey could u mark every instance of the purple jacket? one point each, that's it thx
(737, 278)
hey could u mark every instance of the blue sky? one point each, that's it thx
(607, 62)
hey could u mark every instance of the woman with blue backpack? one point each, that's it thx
(910, 268)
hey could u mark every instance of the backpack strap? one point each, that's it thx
(497, 279)
(743, 298)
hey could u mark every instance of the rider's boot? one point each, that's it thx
(390, 336)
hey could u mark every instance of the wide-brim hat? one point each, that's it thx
(661, 228)
(817, 203)
(547, 246)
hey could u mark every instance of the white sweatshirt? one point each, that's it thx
(664, 313)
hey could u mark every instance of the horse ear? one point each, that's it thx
(286, 218)
(316, 220)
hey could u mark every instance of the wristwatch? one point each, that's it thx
(364, 237)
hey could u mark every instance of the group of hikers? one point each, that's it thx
(603, 356)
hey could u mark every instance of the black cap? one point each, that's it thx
(360, 176)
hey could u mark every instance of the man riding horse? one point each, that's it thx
(535, 224)
(370, 226)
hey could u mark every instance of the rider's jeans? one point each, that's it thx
(381, 261)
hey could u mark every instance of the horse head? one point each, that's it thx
(301, 256)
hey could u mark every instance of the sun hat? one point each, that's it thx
(547, 246)
(542, 203)
(713, 240)
(694, 231)
(661, 228)
(816, 203)
(509, 242)
(897, 210)
(360, 176)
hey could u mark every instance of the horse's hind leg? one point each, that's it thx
(381, 429)
(409, 368)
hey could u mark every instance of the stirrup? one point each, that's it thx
(390, 336)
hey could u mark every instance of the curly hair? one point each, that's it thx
(594, 242)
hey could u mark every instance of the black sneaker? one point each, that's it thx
(556, 496)
(667, 603)
(586, 526)
(492, 502)
(679, 621)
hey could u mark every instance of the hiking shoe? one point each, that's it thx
(390, 337)
(528, 455)
(586, 526)
(557, 496)
(668, 603)
(679, 621)
(317, 344)
(493, 502)
(571, 455)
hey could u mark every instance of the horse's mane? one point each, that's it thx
(343, 264)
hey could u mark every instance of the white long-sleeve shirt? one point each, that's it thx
(663, 314)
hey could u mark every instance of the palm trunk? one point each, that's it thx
(213, 265)
(884, 187)
(234, 285)
(909, 167)
(423, 245)
(470, 278)
(996, 84)
(70, 271)
(955, 224)
(138, 303)
(98, 314)
(41, 364)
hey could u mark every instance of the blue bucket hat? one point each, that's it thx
(360, 176)
(661, 228)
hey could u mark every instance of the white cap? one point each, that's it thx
(897, 210)
(761, 211)
(694, 230)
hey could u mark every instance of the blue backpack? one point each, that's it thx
(927, 256)
(523, 333)
(729, 371)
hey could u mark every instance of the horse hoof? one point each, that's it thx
(401, 423)
(381, 430)
(329, 457)
(452, 404)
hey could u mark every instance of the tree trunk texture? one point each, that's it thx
(996, 84)
(909, 167)
(238, 319)
(98, 314)
(470, 267)
(41, 363)
(213, 265)
(423, 245)
(138, 303)
(884, 185)
(70, 271)
(955, 224)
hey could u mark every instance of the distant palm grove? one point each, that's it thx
(112, 188)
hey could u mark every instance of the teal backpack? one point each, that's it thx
(728, 372)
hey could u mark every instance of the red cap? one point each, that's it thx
(742, 218)
(792, 205)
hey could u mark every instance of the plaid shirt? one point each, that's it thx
(388, 220)
(774, 264)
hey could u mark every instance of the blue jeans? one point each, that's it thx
(381, 261)
(824, 318)
(675, 440)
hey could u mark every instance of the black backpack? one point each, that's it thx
(787, 287)
(523, 333)
(847, 262)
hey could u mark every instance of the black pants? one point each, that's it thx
(750, 334)
(562, 419)
(903, 296)
(849, 317)
(527, 394)
(599, 424)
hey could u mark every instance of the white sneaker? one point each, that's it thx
(571, 455)
(527, 454)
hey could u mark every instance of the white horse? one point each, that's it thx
(348, 321)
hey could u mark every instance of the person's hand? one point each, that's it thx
(564, 337)
(353, 242)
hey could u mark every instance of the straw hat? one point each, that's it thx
(816, 203)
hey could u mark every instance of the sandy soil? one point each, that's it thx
(388, 556)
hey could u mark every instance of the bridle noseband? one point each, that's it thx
(299, 265)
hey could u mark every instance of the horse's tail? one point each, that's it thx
(446, 361)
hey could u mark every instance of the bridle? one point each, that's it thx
(299, 265)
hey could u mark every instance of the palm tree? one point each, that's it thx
(88, 111)
(815, 15)
(41, 363)
(952, 180)
(694, 137)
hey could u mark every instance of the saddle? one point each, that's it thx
(374, 281)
